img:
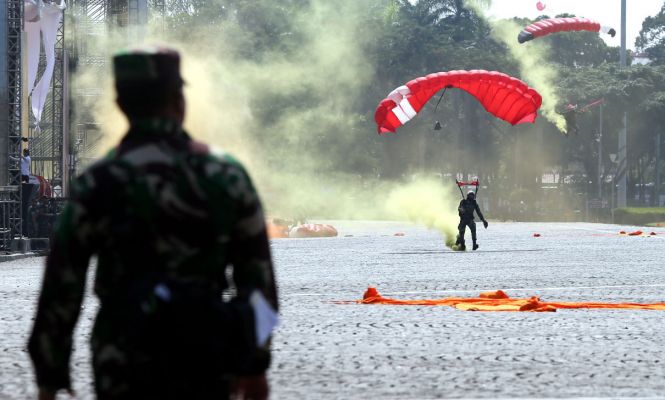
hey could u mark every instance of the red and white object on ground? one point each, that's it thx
(312, 230)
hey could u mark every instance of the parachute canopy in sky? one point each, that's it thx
(546, 26)
(503, 96)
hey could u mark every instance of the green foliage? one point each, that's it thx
(652, 37)
(639, 215)
(643, 210)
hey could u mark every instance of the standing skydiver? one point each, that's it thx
(466, 208)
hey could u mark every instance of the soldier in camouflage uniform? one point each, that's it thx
(160, 208)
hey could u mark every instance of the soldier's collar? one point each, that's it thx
(155, 125)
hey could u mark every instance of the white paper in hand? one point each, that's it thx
(265, 317)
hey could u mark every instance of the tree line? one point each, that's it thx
(536, 163)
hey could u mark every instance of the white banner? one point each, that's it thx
(46, 22)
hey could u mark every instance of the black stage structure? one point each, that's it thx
(68, 135)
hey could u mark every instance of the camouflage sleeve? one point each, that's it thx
(250, 248)
(50, 344)
(250, 254)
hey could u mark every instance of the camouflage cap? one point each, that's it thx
(153, 64)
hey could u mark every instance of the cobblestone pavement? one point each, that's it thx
(330, 351)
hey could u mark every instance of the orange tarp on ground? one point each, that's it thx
(500, 301)
(276, 231)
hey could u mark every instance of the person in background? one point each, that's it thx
(25, 166)
(25, 161)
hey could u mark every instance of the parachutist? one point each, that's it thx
(552, 25)
(466, 209)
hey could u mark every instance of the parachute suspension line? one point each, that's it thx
(460, 188)
(440, 97)
(437, 124)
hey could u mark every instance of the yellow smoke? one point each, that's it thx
(532, 60)
(217, 108)
(297, 178)
(426, 202)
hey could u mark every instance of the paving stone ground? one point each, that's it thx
(324, 350)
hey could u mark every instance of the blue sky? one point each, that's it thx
(607, 12)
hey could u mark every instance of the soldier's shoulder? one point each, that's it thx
(215, 158)
(224, 172)
(99, 174)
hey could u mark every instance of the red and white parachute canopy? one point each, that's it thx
(503, 96)
(546, 26)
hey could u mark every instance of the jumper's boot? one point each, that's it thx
(460, 243)
(475, 245)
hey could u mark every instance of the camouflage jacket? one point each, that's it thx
(159, 202)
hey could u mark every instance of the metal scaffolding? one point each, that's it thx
(10, 192)
(61, 145)
(90, 21)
